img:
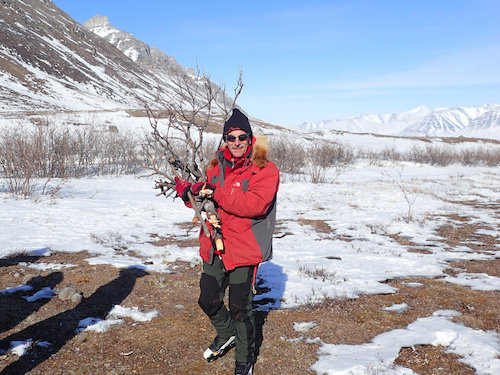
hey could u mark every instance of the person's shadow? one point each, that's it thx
(23, 258)
(58, 329)
(14, 308)
(270, 288)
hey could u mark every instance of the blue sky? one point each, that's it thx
(322, 60)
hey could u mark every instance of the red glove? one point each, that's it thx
(182, 187)
(198, 186)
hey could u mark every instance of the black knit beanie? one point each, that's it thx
(238, 121)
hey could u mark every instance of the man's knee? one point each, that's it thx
(209, 301)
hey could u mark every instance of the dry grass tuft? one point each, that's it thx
(461, 232)
(432, 360)
(490, 267)
(319, 226)
(186, 240)
(171, 240)
(401, 239)
(419, 251)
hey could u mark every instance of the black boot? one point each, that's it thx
(243, 368)
(218, 348)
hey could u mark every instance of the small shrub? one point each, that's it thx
(438, 155)
(329, 154)
(320, 273)
(410, 193)
(289, 156)
(323, 156)
(30, 154)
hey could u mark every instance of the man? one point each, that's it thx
(244, 185)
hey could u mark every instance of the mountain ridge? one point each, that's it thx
(135, 49)
(477, 121)
(48, 61)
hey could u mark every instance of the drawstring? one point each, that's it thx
(254, 279)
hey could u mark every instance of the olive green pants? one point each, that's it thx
(239, 319)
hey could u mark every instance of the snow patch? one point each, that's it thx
(479, 349)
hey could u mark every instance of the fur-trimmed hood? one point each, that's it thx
(260, 152)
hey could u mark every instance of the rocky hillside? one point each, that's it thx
(138, 51)
(48, 61)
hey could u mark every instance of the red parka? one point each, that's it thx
(246, 197)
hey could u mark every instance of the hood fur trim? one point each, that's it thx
(212, 163)
(260, 154)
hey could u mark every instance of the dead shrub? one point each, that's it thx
(478, 156)
(31, 154)
(323, 156)
(439, 155)
(318, 273)
(390, 153)
(434, 155)
(289, 156)
(329, 154)
(120, 153)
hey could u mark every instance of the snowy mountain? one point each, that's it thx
(480, 121)
(138, 51)
(48, 61)
(150, 58)
(386, 123)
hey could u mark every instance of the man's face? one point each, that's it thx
(237, 148)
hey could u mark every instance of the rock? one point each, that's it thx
(70, 293)
(194, 262)
(76, 298)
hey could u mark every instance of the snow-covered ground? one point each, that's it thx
(366, 203)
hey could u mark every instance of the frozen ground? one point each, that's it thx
(113, 219)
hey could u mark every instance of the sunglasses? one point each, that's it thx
(241, 137)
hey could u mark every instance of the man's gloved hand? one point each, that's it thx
(202, 188)
(182, 187)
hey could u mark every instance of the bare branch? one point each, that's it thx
(190, 106)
